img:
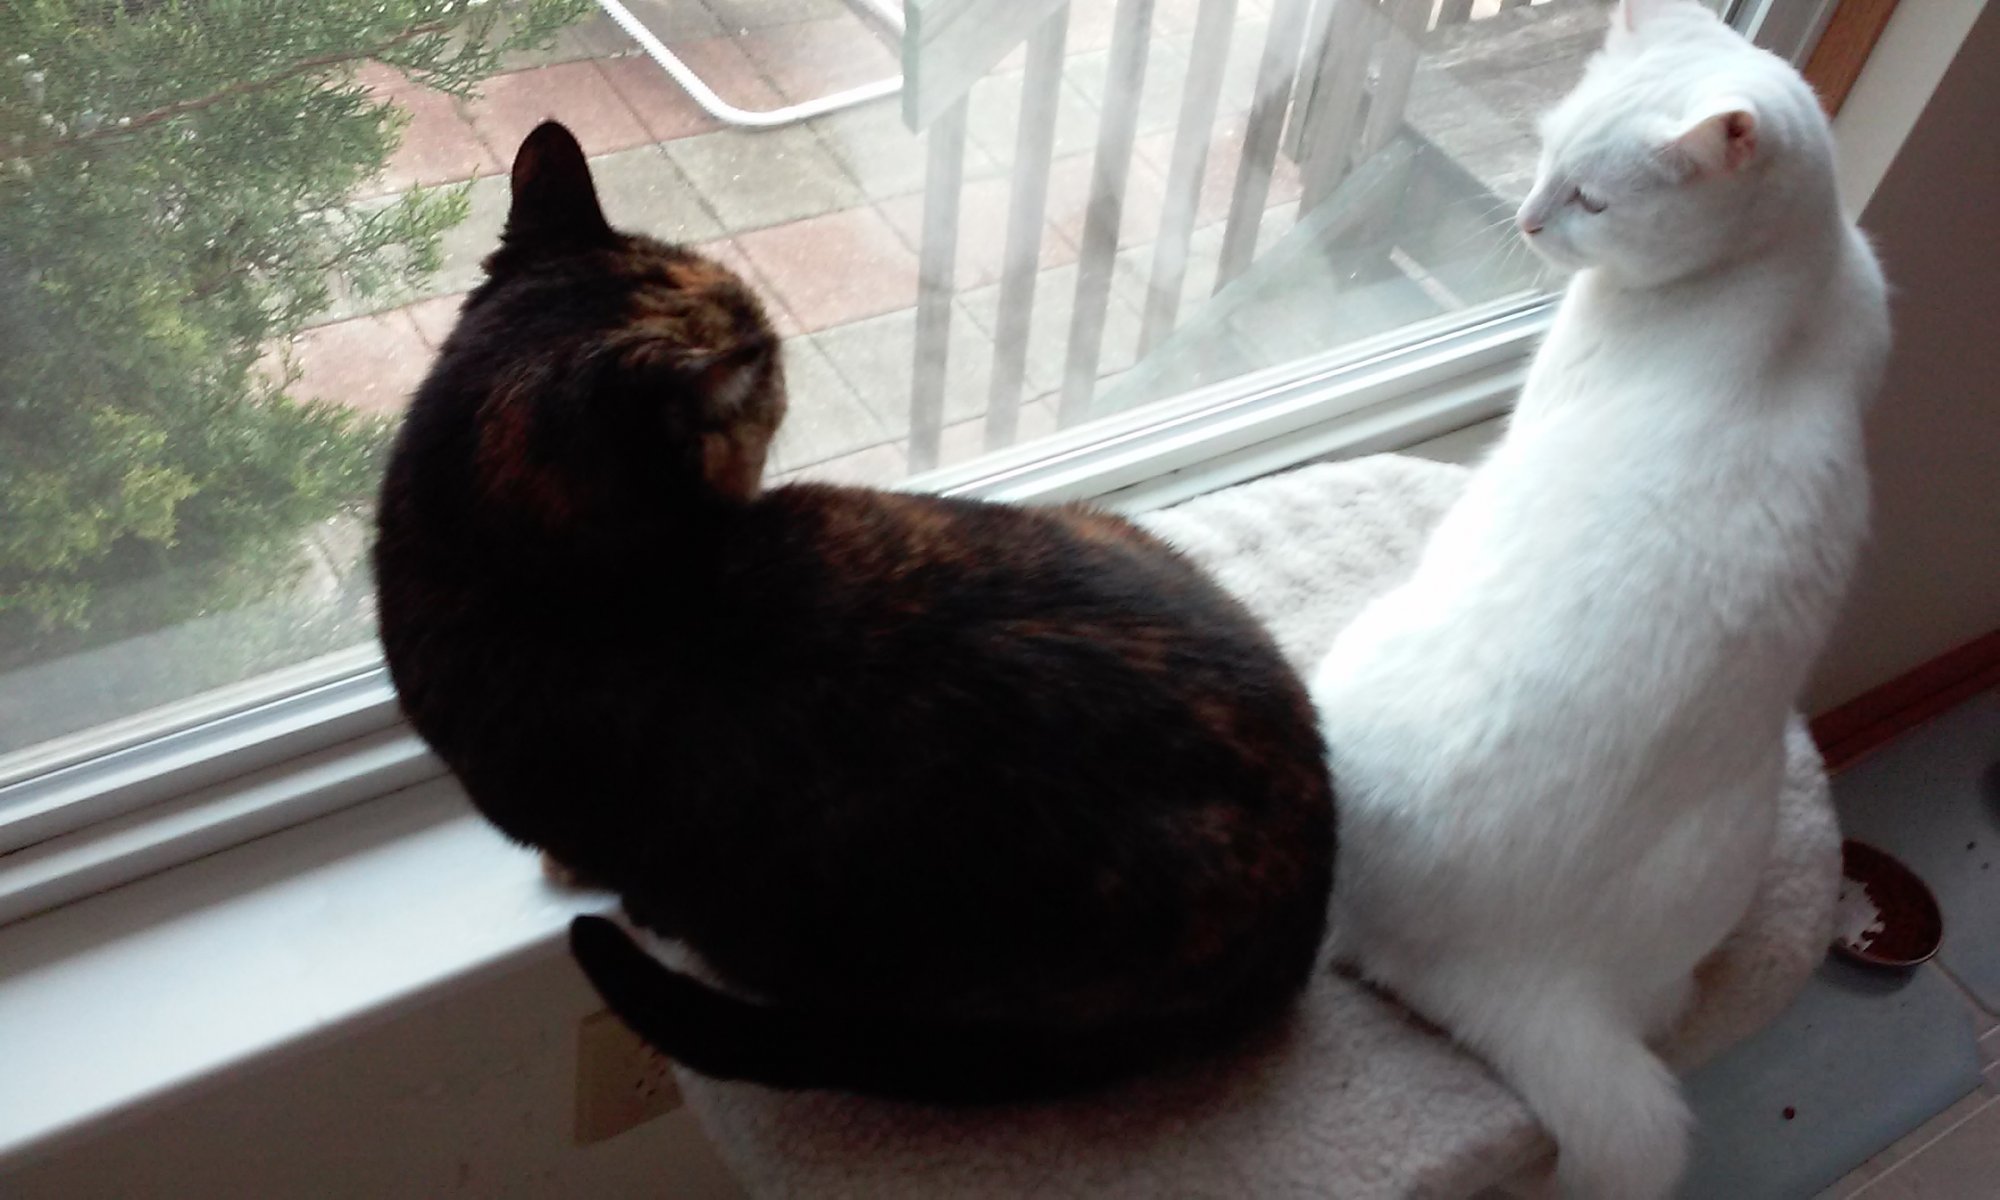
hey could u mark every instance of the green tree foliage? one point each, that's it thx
(173, 185)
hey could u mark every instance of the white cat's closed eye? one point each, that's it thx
(1585, 201)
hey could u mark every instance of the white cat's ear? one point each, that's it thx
(1635, 21)
(1719, 141)
(1633, 14)
(1627, 28)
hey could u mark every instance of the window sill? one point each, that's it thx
(380, 902)
(188, 977)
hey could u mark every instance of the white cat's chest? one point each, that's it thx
(1658, 536)
(1677, 459)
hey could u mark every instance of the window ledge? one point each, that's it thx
(379, 902)
(209, 969)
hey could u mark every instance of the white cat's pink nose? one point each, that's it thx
(1530, 224)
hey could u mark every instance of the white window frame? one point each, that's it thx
(87, 815)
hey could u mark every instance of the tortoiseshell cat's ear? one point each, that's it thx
(739, 395)
(554, 197)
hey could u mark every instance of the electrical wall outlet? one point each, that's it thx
(620, 1080)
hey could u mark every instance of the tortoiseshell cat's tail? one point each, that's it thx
(723, 1037)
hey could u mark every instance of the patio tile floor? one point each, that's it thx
(812, 58)
(877, 466)
(878, 152)
(1160, 93)
(993, 110)
(512, 104)
(1070, 181)
(729, 252)
(1218, 180)
(670, 20)
(371, 363)
(826, 420)
(877, 358)
(742, 16)
(769, 178)
(835, 268)
(1049, 324)
(435, 317)
(823, 218)
(664, 109)
(982, 216)
(1090, 25)
(467, 244)
(643, 189)
(438, 146)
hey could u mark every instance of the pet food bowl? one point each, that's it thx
(1885, 916)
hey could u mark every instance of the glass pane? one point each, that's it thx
(232, 233)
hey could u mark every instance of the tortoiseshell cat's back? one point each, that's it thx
(962, 801)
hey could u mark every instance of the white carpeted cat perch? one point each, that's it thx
(1353, 1099)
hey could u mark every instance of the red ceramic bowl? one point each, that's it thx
(1885, 917)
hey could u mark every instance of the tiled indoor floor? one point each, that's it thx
(1932, 799)
(1953, 1156)
(823, 217)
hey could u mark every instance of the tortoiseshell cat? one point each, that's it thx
(979, 802)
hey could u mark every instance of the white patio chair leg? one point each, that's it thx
(715, 106)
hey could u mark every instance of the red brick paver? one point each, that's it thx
(438, 146)
(824, 258)
(1069, 199)
(1090, 25)
(435, 318)
(982, 232)
(381, 79)
(729, 254)
(832, 269)
(575, 93)
(370, 363)
(665, 109)
(877, 466)
(1218, 179)
(812, 58)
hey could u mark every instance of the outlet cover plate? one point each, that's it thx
(620, 1081)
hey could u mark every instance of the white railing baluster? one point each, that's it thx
(1110, 169)
(1292, 146)
(1213, 25)
(1341, 78)
(1398, 70)
(1266, 122)
(944, 179)
(1027, 210)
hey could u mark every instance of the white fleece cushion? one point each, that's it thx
(1353, 1098)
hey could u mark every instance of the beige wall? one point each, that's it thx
(1932, 578)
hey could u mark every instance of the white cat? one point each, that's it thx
(1558, 747)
